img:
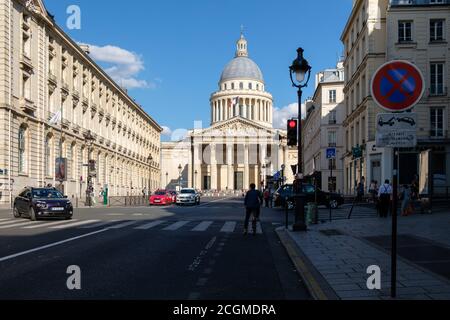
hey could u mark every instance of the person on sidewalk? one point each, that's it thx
(252, 202)
(267, 197)
(406, 201)
(385, 197)
(360, 190)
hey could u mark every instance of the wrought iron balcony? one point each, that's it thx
(418, 2)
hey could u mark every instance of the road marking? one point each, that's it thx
(123, 225)
(76, 224)
(6, 219)
(202, 226)
(50, 224)
(213, 201)
(21, 224)
(11, 221)
(176, 226)
(229, 227)
(100, 224)
(150, 225)
(50, 245)
(258, 228)
(115, 214)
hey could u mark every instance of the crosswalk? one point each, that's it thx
(139, 225)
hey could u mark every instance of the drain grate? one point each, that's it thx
(331, 232)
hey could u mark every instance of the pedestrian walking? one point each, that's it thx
(373, 190)
(360, 190)
(385, 197)
(267, 197)
(405, 196)
(253, 202)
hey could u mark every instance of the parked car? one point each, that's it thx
(332, 200)
(161, 198)
(188, 196)
(36, 203)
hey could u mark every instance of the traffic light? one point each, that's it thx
(292, 132)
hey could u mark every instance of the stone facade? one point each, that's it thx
(43, 72)
(323, 129)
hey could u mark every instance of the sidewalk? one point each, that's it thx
(333, 257)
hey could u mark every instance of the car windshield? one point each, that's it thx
(160, 193)
(47, 194)
(187, 191)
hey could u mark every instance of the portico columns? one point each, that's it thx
(246, 166)
(198, 166)
(213, 163)
(230, 166)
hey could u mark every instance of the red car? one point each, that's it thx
(161, 197)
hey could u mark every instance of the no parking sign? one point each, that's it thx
(397, 86)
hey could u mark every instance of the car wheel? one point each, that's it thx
(333, 204)
(33, 216)
(16, 213)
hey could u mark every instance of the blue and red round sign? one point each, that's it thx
(397, 86)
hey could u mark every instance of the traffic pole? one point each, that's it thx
(330, 190)
(394, 226)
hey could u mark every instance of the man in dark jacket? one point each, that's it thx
(253, 201)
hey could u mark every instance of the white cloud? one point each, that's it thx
(124, 65)
(282, 115)
(167, 132)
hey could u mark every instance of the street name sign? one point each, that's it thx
(397, 86)
(396, 130)
(331, 153)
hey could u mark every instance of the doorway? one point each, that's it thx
(238, 181)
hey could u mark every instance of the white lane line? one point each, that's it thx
(44, 224)
(150, 225)
(50, 245)
(176, 225)
(115, 214)
(213, 201)
(6, 219)
(76, 224)
(21, 224)
(229, 227)
(123, 225)
(258, 228)
(100, 224)
(12, 221)
(202, 226)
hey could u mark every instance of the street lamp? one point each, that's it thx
(300, 73)
(283, 167)
(89, 140)
(167, 180)
(180, 168)
(263, 173)
(150, 159)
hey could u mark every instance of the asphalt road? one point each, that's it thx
(193, 253)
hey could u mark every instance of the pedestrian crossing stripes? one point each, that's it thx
(142, 225)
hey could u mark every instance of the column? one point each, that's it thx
(257, 176)
(246, 166)
(230, 166)
(213, 164)
(198, 166)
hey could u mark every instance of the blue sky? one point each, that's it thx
(171, 53)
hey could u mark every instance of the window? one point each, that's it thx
(332, 117)
(250, 86)
(241, 85)
(437, 79)
(22, 150)
(257, 87)
(404, 31)
(436, 1)
(437, 122)
(332, 138)
(232, 86)
(331, 164)
(436, 30)
(332, 96)
(72, 161)
(26, 87)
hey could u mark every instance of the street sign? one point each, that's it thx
(331, 153)
(396, 130)
(397, 86)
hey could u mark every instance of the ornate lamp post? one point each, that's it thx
(150, 160)
(263, 174)
(300, 73)
(195, 178)
(89, 140)
(180, 168)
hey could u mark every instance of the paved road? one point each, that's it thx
(148, 253)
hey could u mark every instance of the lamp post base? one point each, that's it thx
(300, 225)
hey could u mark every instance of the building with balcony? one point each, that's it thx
(322, 129)
(378, 31)
(44, 72)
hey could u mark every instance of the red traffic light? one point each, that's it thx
(292, 124)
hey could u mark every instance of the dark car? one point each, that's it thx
(323, 198)
(36, 203)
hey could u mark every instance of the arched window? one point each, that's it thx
(232, 86)
(250, 86)
(47, 156)
(241, 86)
(22, 149)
